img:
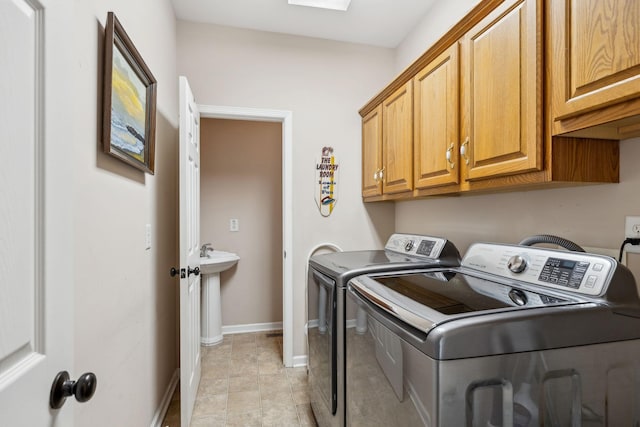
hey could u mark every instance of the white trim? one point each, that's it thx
(300, 361)
(241, 113)
(286, 118)
(211, 340)
(287, 225)
(251, 327)
(161, 412)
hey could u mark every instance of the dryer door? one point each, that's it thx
(321, 337)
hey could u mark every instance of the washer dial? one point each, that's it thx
(517, 264)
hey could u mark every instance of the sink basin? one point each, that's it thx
(211, 309)
(218, 261)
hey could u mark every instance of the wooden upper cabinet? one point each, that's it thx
(501, 64)
(397, 141)
(594, 56)
(435, 121)
(475, 112)
(372, 153)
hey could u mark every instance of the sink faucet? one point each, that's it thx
(205, 249)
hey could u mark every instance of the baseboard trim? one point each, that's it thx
(299, 361)
(161, 412)
(211, 341)
(251, 327)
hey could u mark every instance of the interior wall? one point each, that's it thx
(324, 84)
(241, 178)
(591, 215)
(125, 311)
(436, 22)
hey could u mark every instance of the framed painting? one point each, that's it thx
(129, 104)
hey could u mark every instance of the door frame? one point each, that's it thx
(286, 118)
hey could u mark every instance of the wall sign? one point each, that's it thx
(326, 182)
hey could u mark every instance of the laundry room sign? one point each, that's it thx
(326, 193)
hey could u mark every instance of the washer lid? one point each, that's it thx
(403, 251)
(455, 313)
(427, 299)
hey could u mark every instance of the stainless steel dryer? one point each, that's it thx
(515, 336)
(328, 319)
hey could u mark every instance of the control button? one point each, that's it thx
(591, 281)
(517, 264)
(518, 297)
(408, 246)
(597, 267)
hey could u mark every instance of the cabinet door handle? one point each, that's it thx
(448, 156)
(463, 150)
(382, 174)
(376, 178)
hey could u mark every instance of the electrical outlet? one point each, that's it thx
(632, 227)
(632, 230)
(234, 225)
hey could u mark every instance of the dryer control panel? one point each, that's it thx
(410, 244)
(577, 272)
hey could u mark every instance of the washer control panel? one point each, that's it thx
(564, 272)
(410, 244)
(578, 272)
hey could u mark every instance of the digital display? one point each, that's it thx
(425, 248)
(567, 264)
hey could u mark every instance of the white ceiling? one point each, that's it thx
(382, 23)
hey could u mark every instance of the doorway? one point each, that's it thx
(285, 118)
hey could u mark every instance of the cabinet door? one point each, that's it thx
(502, 92)
(435, 121)
(397, 141)
(372, 153)
(595, 54)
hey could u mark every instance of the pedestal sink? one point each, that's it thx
(210, 309)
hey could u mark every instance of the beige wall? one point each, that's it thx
(437, 21)
(241, 178)
(324, 84)
(125, 301)
(591, 215)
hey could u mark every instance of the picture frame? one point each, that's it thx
(129, 101)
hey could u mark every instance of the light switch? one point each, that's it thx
(147, 236)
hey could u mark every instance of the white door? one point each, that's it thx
(36, 229)
(189, 251)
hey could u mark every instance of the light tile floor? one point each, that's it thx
(244, 384)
